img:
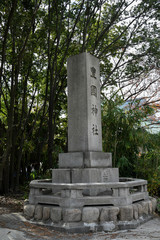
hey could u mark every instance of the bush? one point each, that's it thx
(148, 167)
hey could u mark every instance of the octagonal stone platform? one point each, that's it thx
(68, 210)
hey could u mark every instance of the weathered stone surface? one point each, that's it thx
(90, 214)
(97, 159)
(87, 159)
(140, 210)
(61, 176)
(109, 214)
(71, 193)
(38, 212)
(56, 214)
(154, 204)
(89, 175)
(135, 211)
(144, 207)
(29, 211)
(108, 227)
(71, 160)
(72, 215)
(84, 109)
(150, 211)
(126, 213)
(46, 213)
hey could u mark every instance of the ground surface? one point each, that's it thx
(13, 226)
(11, 203)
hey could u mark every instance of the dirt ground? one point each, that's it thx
(11, 203)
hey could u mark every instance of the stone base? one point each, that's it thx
(85, 175)
(85, 160)
(98, 175)
(72, 195)
(90, 219)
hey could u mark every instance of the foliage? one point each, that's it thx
(135, 151)
(25, 190)
(123, 134)
(158, 205)
(148, 164)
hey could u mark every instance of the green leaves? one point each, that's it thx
(123, 134)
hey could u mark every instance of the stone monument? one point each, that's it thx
(85, 162)
(86, 193)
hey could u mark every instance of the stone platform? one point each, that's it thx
(66, 207)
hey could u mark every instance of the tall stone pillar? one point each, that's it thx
(85, 159)
(84, 109)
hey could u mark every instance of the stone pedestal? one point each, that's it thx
(85, 175)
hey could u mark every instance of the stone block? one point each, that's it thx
(109, 214)
(100, 191)
(61, 176)
(154, 204)
(150, 207)
(126, 213)
(140, 210)
(32, 196)
(71, 160)
(97, 159)
(29, 211)
(144, 207)
(72, 215)
(150, 211)
(90, 214)
(87, 159)
(108, 227)
(38, 212)
(56, 214)
(92, 175)
(46, 213)
(71, 193)
(135, 212)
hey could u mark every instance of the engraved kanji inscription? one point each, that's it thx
(93, 72)
(105, 176)
(94, 110)
(93, 90)
(94, 129)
